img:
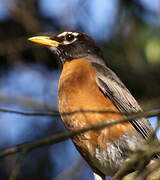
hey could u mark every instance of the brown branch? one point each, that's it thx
(56, 113)
(140, 160)
(150, 172)
(16, 169)
(65, 135)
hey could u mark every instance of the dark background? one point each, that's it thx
(128, 32)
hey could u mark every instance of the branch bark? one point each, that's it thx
(65, 135)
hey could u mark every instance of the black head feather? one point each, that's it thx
(75, 45)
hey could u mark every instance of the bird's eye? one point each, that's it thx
(69, 37)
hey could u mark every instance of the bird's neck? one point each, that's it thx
(78, 70)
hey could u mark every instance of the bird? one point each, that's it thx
(87, 83)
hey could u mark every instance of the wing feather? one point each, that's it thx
(113, 87)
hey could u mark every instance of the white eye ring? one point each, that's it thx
(69, 32)
(69, 38)
(68, 41)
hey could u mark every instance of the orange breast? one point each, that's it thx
(78, 90)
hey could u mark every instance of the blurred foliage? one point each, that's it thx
(132, 50)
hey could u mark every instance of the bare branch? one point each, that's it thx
(65, 135)
(141, 159)
(56, 113)
(18, 165)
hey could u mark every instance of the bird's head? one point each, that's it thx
(71, 45)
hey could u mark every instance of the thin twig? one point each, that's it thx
(56, 113)
(19, 162)
(65, 135)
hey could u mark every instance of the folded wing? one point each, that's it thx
(113, 87)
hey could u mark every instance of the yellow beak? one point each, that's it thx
(44, 40)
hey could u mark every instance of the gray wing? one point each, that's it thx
(113, 87)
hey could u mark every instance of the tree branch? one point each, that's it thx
(67, 134)
(56, 113)
(16, 169)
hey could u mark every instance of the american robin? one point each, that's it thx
(86, 83)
